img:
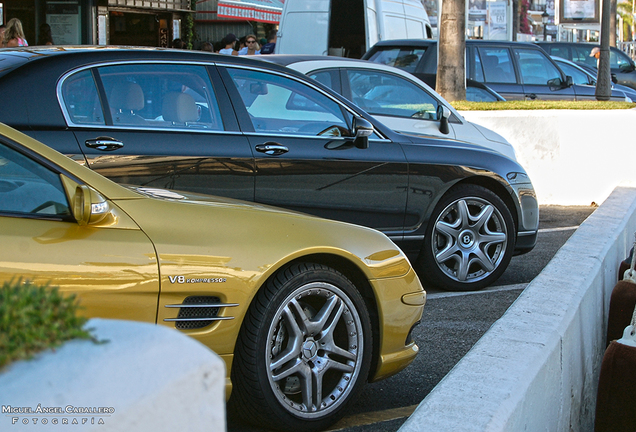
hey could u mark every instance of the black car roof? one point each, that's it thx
(12, 58)
(429, 42)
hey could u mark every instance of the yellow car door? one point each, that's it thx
(111, 266)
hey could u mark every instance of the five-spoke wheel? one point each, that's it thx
(304, 349)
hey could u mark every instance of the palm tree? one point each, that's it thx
(451, 73)
(625, 10)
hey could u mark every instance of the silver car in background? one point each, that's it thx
(398, 99)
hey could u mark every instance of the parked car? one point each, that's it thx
(299, 308)
(395, 97)
(583, 76)
(516, 70)
(252, 130)
(621, 65)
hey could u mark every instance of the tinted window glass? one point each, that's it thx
(497, 65)
(27, 187)
(581, 54)
(81, 101)
(161, 96)
(578, 76)
(387, 94)
(479, 71)
(324, 77)
(535, 67)
(282, 105)
(404, 58)
(618, 59)
(474, 94)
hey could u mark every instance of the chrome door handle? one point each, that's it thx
(272, 149)
(104, 144)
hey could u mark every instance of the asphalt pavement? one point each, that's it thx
(452, 323)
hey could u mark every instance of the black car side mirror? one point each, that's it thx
(443, 113)
(362, 130)
(558, 84)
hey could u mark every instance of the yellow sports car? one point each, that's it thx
(302, 310)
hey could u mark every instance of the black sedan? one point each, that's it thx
(245, 129)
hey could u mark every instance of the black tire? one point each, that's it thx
(469, 241)
(308, 321)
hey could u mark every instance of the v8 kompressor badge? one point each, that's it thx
(185, 280)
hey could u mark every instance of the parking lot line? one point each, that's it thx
(369, 418)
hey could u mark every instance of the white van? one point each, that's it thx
(348, 27)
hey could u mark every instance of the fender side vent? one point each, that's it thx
(198, 311)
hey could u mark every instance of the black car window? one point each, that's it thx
(535, 67)
(578, 76)
(387, 94)
(581, 54)
(161, 96)
(619, 60)
(81, 100)
(478, 68)
(403, 58)
(497, 65)
(283, 105)
(28, 188)
(474, 94)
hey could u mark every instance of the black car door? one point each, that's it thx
(493, 66)
(541, 78)
(164, 125)
(305, 158)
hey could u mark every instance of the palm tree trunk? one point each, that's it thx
(451, 72)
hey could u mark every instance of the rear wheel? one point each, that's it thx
(303, 351)
(469, 241)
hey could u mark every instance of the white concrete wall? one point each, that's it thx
(155, 378)
(574, 157)
(537, 367)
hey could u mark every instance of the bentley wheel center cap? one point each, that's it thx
(466, 239)
(310, 349)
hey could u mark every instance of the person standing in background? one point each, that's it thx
(14, 34)
(268, 48)
(251, 46)
(228, 43)
(2, 29)
(45, 38)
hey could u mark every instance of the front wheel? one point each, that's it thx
(303, 351)
(469, 241)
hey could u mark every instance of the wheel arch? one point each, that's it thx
(497, 188)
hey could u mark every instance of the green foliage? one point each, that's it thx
(188, 26)
(540, 105)
(34, 318)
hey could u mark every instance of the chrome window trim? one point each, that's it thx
(221, 63)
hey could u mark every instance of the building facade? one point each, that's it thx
(102, 22)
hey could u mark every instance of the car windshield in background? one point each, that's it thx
(403, 58)
(383, 93)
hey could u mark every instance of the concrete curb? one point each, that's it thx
(155, 379)
(574, 157)
(537, 368)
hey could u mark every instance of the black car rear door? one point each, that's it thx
(165, 125)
